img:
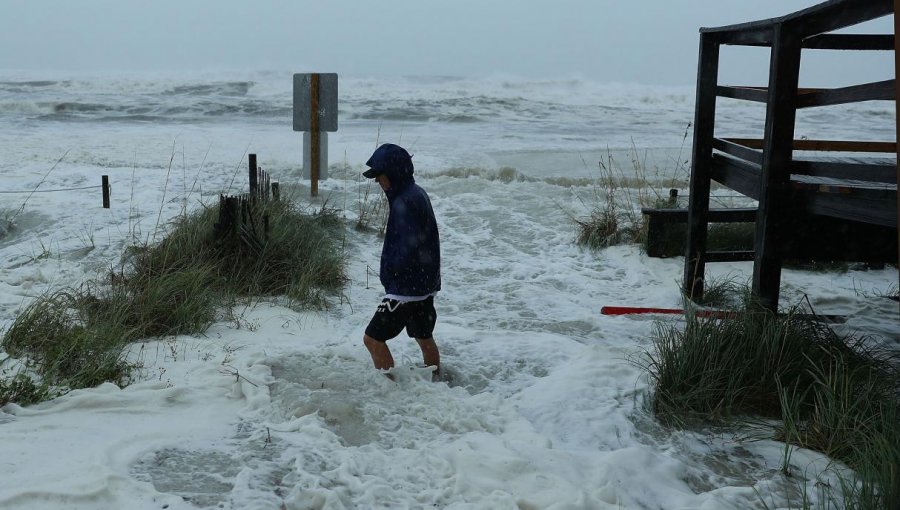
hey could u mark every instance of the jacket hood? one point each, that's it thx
(393, 161)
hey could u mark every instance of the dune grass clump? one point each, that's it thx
(725, 292)
(280, 250)
(75, 338)
(833, 394)
(850, 412)
(158, 301)
(605, 227)
(614, 216)
(64, 347)
(300, 257)
(22, 389)
(612, 219)
(78, 337)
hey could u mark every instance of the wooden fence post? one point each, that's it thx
(253, 171)
(264, 185)
(105, 184)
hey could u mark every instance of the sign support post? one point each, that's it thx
(315, 113)
(314, 135)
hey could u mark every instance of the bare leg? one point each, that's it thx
(381, 355)
(430, 354)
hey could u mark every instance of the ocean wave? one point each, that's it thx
(27, 86)
(20, 108)
(509, 175)
(150, 109)
(232, 88)
(81, 108)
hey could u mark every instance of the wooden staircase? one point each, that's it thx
(825, 207)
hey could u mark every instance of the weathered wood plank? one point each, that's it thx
(836, 14)
(756, 94)
(823, 145)
(701, 167)
(850, 42)
(814, 20)
(882, 171)
(736, 174)
(729, 256)
(867, 206)
(876, 91)
(716, 215)
(811, 97)
(844, 146)
(729, 146)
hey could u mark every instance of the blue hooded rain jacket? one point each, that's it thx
(411, 255)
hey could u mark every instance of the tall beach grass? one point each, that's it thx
(836, 394)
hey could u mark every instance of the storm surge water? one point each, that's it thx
(280, 409)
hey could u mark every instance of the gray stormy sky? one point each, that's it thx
(640, 41)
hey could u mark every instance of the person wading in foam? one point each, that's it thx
(410, 262)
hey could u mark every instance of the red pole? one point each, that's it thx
(626, 310)
(629, 310)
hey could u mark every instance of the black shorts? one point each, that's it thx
(418, 317)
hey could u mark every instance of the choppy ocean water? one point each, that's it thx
(447, 120)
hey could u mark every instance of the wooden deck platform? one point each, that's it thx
(866, 201)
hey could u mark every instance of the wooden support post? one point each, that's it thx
(276, 191)
(701, 171)
(897, 112)
(314, 134)
(253, 170)
(105, 184)
(774, 207)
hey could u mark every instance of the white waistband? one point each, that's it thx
(409, 299)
